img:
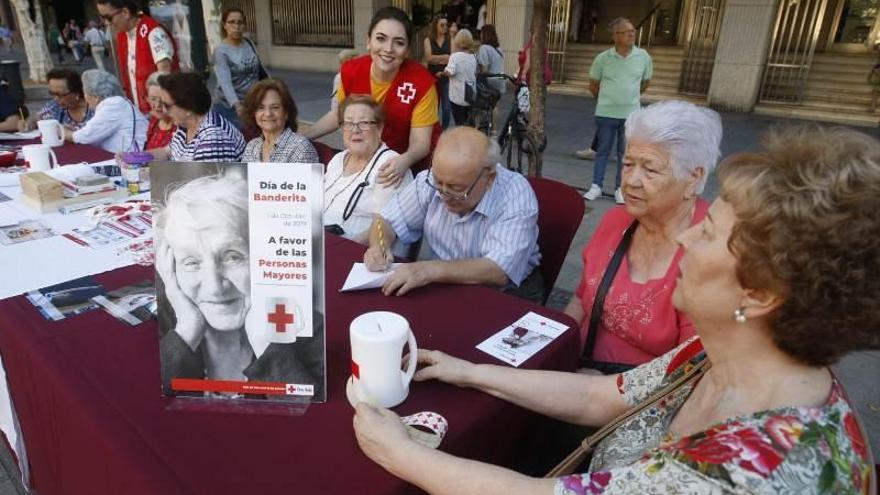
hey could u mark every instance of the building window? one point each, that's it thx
(312, 23)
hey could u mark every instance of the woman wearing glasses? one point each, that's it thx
(237, 65)
(352, 195)
(202, 134)
(404, 88)
(153, 48)
(68, 104)
(270, 108)
(161, 128)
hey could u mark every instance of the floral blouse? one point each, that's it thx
(52, 110)
(788, 450)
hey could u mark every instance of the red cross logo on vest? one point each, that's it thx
(406, 92)
(280, 318)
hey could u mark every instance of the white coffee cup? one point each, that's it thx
(39, 157)
(53, 133)
(377, 340)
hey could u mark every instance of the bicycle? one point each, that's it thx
(518, 148)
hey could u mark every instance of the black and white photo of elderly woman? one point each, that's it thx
(115, 118)
(202, 259)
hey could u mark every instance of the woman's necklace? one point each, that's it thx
(354, 178)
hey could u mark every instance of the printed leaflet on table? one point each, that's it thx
(522, 339)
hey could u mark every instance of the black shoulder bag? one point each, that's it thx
(480, 94)
(263, 73)
(599, 305)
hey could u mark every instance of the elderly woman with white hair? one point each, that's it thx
(117, 125)
(623, 303)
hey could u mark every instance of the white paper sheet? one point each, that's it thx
(522, 339)
(359, 278)
(35, 264)
(11, 214)
(17, 136)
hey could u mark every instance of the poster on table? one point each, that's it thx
(240, 280)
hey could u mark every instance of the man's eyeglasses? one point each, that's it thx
(363, 126)
(452, 195)
(109, 17)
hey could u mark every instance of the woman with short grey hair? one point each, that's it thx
(117, 125)
(671, 148)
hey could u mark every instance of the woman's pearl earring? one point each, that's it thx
(739, 315)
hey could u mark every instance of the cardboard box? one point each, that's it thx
(40, 187)
(45, 194)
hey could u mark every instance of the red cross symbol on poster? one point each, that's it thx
(280, 318)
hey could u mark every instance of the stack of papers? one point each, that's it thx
(18, 136)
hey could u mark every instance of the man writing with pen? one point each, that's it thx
(478, 219)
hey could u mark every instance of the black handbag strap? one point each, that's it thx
(602, 291)
(356, 194)
(263, 71)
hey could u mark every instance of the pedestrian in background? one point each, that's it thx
(461, 71)
(491, 61)
(73, 39)
(618, 77)
(437, 48)
(95, 38)
(56, 42)
(237, 66)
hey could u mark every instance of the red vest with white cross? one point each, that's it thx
(410, 85)
(144, 57)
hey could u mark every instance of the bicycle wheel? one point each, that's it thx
(521, 154)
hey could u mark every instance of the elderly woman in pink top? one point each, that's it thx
(672, 148)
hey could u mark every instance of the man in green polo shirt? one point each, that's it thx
(618, 77)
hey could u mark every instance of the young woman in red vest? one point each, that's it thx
(143, 46)
(404, 88)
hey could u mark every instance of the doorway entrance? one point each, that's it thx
(852, 26)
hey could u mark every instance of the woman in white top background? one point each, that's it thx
(351, 194)
(461, 70)
(117, 125)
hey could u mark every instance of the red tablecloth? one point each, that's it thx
(70, 153)
(87, 393)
